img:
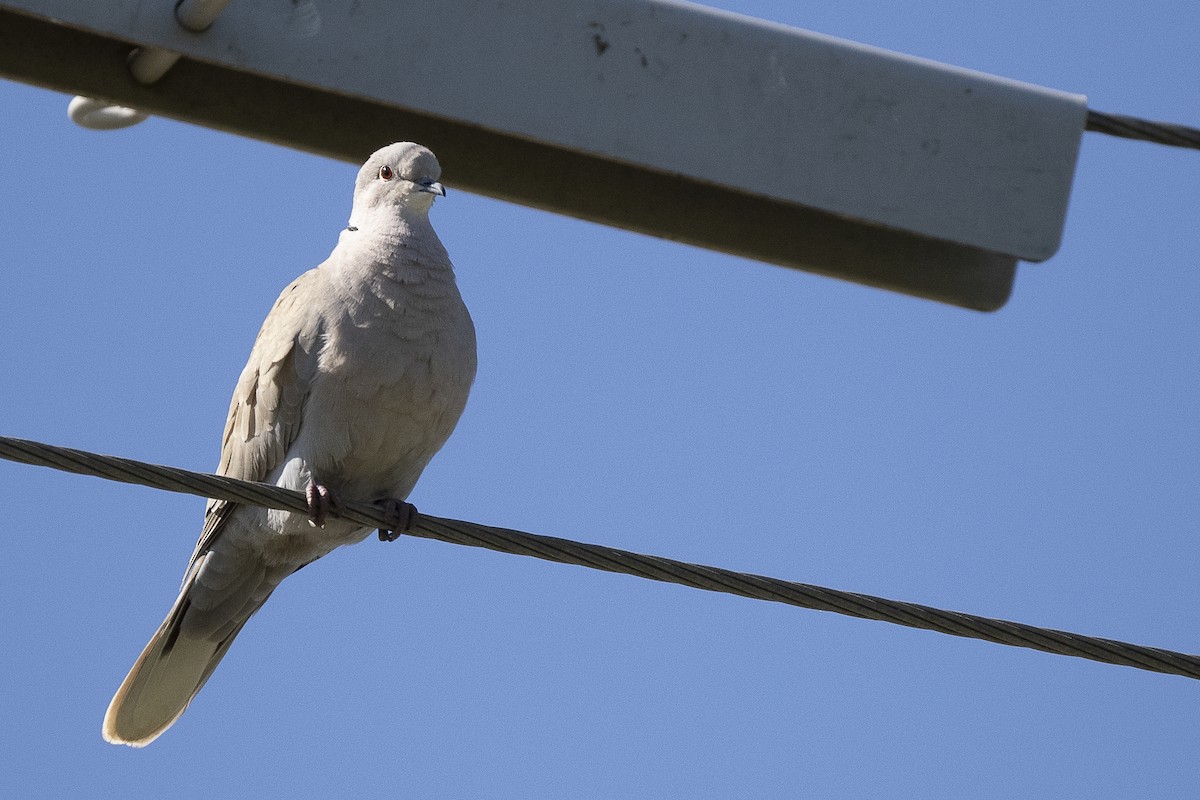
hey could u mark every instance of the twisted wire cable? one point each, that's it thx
(610, 559)
(1127, 127)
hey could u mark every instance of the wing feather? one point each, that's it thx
(267, 407)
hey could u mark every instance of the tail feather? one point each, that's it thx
(172, 668)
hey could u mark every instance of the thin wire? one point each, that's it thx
(1144, 130)
(610, 559)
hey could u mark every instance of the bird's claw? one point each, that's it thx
(400, 516)
(321, 500)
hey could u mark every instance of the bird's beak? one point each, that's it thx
(433, 187)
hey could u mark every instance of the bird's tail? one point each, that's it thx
(172, 668)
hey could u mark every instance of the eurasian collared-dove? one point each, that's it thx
(357, 378)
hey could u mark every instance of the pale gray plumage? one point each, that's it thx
(357, 378)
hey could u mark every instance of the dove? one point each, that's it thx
(358, 376)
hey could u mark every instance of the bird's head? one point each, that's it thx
(398, 181)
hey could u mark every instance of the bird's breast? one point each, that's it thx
(392, 380)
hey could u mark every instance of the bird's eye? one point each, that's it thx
(385, 173)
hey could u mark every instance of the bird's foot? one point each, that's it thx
(400, 516)
(321, 500)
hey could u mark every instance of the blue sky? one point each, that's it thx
(1036, 464)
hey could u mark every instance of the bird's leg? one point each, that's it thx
(320, 500)
(400, 516)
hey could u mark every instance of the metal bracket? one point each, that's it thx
(675, 120)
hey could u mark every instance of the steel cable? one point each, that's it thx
(610, 559)
(1127, 127)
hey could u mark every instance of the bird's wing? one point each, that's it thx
(267, 408)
